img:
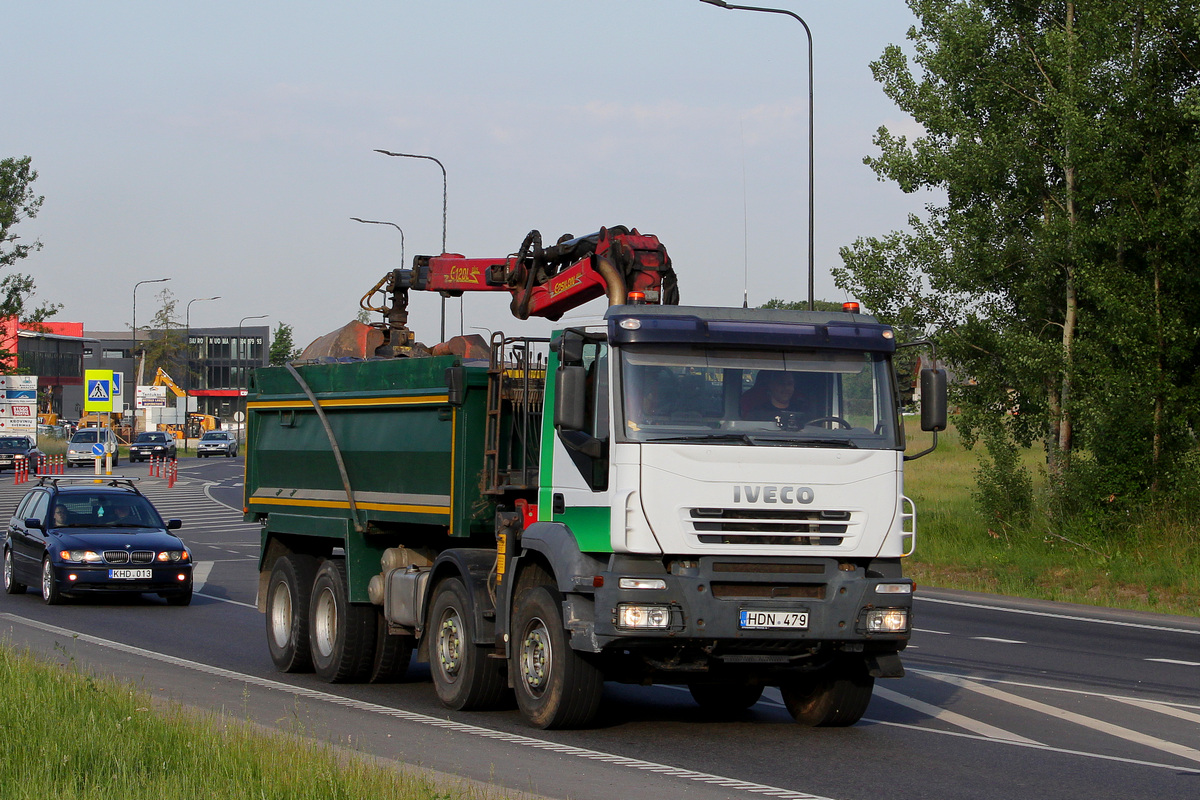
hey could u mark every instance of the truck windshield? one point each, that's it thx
(827, 398)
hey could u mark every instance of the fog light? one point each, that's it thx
(71, 576)
(642, 583)
(887, 620)
(893, 588)
(181, 577)
(639, 617)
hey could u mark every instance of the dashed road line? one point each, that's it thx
(1175, 661)
(1070, 617)
(995, 639)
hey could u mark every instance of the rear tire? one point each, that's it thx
(341, 634)
(392, 653)
(11, 584)
(725, 700)
(555, 686)
(463, 675)
(288, 593)
(834, 697)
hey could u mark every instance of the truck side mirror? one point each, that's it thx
(570, 349)
(933, 400)
(456, 385)
(570, 397)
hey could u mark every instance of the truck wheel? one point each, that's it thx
(288, 593)
(341, 634)
(725, 700)
(464, 677)
(833, 697)
(392, 653)
(555, 686)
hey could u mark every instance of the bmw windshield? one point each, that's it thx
(809, 398)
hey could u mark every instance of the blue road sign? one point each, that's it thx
(97, 449)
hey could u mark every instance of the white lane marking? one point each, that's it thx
(1048, 688)
(423, 719)
(231, 602)
(200, 572)
(994, 639)
(1160, 708)
(1072, 618)
(1079, 719)
(1175, 661)
(951, 717)
(927, 630)
(1047, 748)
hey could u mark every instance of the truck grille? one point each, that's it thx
(770, 527)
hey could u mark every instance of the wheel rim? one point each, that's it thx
(47, 580)
(8, 569)
(536, 657)
(281, 615)
(450, 644)
(325, 622)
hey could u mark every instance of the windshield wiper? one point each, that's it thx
(707, 437)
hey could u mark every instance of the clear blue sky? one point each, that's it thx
(226, 145)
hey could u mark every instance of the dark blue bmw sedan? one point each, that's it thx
(72, 536)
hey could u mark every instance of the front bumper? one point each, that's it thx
(706, 596)
(80, 578)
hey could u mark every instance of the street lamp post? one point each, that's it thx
(242, 385)
(133, 352)
(439, 163)
(808, 32)
(394, 225)
(187, 336)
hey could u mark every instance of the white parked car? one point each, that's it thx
(217, 443)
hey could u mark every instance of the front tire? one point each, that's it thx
(555, 686)
(50, 593)
(464, 677)
(341, 634)
(11, 584)
(834, 697)
(289, 592)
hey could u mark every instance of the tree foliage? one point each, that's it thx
(164, 341)
(18, 202)
(1061, 272)
(282, 348)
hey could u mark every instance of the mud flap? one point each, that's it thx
(885, 665)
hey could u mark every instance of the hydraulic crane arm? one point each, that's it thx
(543, 281)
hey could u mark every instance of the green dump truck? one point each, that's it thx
(703, 497)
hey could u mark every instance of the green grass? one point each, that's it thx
(1154, 565)
(69, 735)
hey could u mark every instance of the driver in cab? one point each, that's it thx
(774, 392)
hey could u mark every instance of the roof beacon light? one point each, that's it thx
(637, 298)
(850, 307)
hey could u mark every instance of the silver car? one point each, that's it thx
(217, 443)
(80, 448)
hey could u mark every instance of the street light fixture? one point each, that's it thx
(187, 336)
(133, 352)
(394, 225)
(808, 32)
(439, 163)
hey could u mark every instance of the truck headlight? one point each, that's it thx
(632, 616)
(887, 620)
(893, 588)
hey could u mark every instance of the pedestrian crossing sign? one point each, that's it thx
(99, 390)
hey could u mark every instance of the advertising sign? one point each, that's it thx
(151, 397)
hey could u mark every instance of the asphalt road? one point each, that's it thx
(1002, 697)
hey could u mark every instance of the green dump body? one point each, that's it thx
(413, 462)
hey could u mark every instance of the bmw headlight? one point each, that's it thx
(80, 556)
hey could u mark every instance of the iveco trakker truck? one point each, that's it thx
(706, 497)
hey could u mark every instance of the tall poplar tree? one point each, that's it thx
(1061, 274)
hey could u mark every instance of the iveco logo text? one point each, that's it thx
(773, 494)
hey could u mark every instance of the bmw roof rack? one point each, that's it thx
(109, 480)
